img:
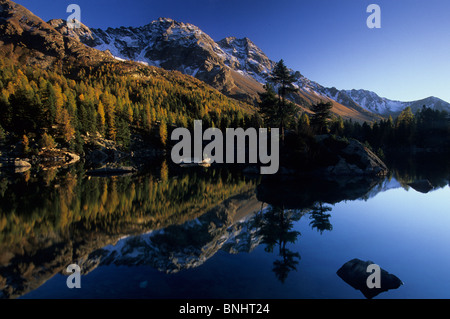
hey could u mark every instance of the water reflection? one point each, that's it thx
(50, 219)
(275, 228)
(172, 220)
(320, 220)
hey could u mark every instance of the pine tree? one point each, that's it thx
(284, 81)
(322, 113)
(65, 127)
(268, 106)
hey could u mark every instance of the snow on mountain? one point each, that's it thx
(383, 106)
(244, 56)
(372, 102)
(236, 67)
(385, 185)
(185, 246)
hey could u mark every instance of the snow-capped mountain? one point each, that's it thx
(380, 105)
(245, 57)
(237, 67)
(232, 226)
(183, 47)
(181, 247)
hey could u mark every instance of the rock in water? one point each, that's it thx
(348, 158)
(354, 273)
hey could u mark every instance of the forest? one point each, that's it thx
(427, 130)
(42, 108)
(46, 109)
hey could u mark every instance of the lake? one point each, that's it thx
(215, 233)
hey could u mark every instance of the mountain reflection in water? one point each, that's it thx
(171, 221)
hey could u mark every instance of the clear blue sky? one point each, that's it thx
(326, 40)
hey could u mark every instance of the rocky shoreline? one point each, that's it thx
(332, 157)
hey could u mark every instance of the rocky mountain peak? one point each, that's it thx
(33, 41)
(82, 34)
(244, 56)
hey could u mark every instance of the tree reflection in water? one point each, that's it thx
(275, 228)
(320, 220)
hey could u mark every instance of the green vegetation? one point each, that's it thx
(321, 116)
(277, 111)
(39, 104)
(59, 201)
(428, 129)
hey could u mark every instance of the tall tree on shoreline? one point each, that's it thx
(322, 113)
(279, 112)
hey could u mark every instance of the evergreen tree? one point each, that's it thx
(47, 141)
(268, 106)
(405, 127)
(321, 116)
(284, 81)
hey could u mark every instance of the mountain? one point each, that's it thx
(246, 58)
(383, 106)
(28, 39)
(231, 226)
(236, 67)
(170, 45)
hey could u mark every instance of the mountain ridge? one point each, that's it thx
(235, 66)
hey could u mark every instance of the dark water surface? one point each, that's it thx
(212, 233)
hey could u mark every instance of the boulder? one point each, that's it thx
(351, 159)
(354, 273)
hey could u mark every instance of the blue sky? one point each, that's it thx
(328, 41)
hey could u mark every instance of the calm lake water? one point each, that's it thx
(211, 233)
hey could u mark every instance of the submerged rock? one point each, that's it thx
(354, 273)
